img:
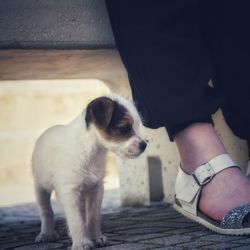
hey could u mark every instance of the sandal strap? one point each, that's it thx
(205, 173)
(188, 186)
(235, 217)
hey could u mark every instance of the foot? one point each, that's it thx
(100, 242)
(86, 244)
(228, 189)
(45, 237)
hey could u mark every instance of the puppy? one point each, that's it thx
(70, 159)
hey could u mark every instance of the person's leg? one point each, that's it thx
(230, 40)
(167, 64)
(163, 52)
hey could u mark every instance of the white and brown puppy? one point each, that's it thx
(70, 159)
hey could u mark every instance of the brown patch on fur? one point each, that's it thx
(120, 127)
(111, 119)
(100, 112)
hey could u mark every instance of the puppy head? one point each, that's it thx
(117, 124)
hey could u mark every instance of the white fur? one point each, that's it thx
(70, 159)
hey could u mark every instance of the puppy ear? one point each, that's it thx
(100, 111)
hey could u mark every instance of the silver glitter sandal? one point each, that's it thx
(187, 192)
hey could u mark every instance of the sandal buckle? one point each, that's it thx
(205, 175)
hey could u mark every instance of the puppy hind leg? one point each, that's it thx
(47, 233)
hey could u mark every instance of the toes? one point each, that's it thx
(42, 237)
(87, 245)
(83, 247)
(102, 241)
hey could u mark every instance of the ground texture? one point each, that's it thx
(155, 227)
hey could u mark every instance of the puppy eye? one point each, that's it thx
(125, 129)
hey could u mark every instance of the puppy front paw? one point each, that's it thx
(86, 245)
(43, 237)
(100, 242)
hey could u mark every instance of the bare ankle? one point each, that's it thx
(198, 144)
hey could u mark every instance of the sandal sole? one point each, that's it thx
(209, 225)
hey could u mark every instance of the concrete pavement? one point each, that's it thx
(158, 226)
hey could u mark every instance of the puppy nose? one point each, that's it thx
(142, 146)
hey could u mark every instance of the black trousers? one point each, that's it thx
(173, 48)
